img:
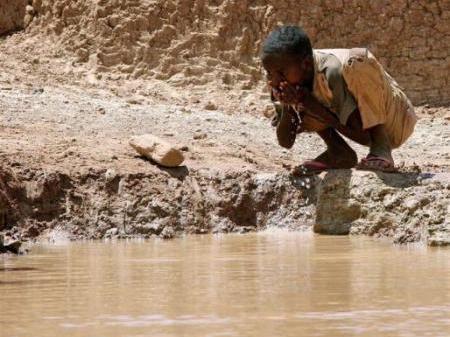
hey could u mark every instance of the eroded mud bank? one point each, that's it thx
(105, 203)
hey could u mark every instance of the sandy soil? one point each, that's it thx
(73, 127)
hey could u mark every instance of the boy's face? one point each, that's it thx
(289, 68)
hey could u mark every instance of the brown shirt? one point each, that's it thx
(342, 103)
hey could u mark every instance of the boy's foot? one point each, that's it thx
(380, 155)
(376, 163)
(310, 167)
(327, 161)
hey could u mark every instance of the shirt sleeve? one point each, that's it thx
(343, 103)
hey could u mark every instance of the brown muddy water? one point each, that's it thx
(266, 284)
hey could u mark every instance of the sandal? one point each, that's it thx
(376, 163)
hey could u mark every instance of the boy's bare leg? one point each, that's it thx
(380, 156)
(338, 153)
(380, 145)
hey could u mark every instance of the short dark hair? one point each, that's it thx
(287, 40)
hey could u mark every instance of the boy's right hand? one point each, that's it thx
(287, 93)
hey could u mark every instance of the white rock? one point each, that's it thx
(110, 175)
(158, 150)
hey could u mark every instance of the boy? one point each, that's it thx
(333, 92)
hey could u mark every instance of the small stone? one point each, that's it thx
(411, 204)
(200, 135)
(268, 111)
(210, 106)
(184, 148)
(12, 245)
(134, 101)
(167, 233)
(157, 149)
(29, 9)
(101, 111)
(154, 227)
(112, 232)
(110, 175)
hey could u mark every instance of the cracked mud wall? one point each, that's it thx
(198, 42)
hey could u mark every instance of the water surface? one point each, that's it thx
(268, 284)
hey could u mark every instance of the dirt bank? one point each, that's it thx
(67, 169)
(100, 204)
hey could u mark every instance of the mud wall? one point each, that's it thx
(12, 15)
(198, 41)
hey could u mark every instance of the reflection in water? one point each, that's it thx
(267, 284)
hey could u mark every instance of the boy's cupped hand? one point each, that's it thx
(289, 94)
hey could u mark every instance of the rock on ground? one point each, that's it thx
(158, 150)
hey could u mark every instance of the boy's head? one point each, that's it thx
(287, 55)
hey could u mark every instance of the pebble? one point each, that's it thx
(200, 135)
(112, 232)
(210, 106)
(9, 245)
(184, 148)
(134, 101)
(110, 174)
